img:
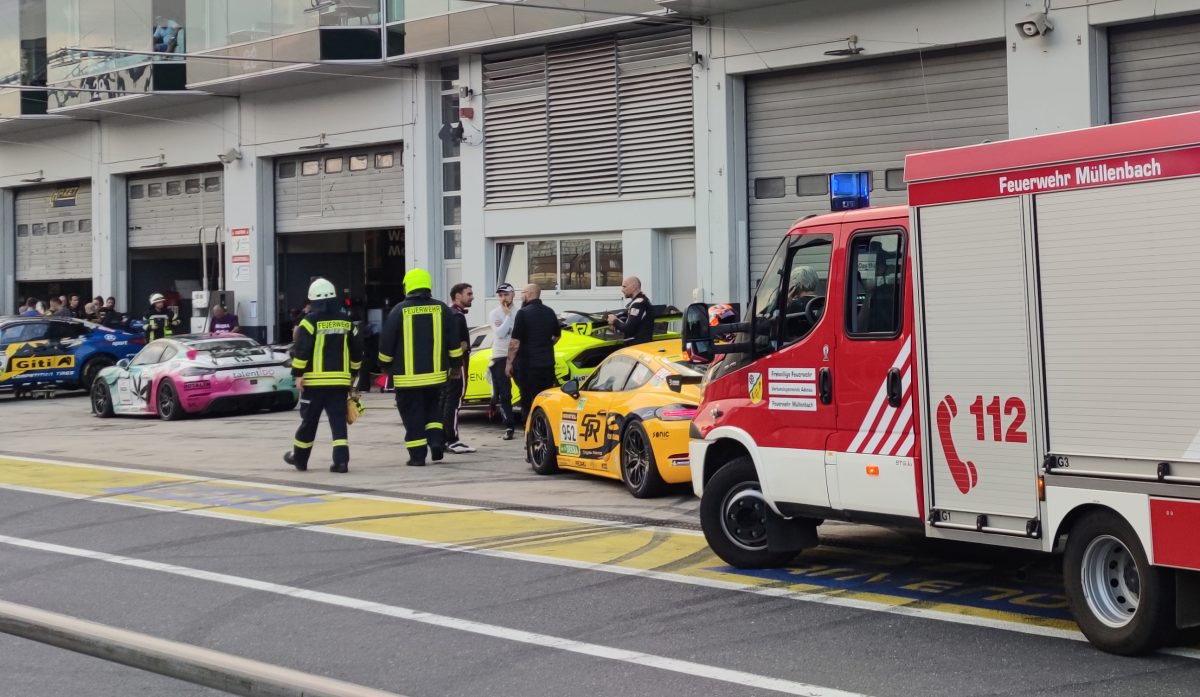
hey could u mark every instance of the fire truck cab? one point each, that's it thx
(1013, 359)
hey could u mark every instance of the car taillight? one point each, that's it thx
(676, 412)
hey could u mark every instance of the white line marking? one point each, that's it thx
(673, 665)
(784, 593)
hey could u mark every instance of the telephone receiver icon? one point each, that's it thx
(964, 473)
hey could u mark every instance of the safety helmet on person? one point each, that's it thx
(417, 279)
(157, 298)
(321, 289)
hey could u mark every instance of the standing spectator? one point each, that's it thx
(57, 309)
(160, 320)
(461, 297)
(223, 321)
(112, 318)
(73, 306)
(638, 324)
(89, 313)
(415, 349)
(30, 309)
(41, 310)
(370, 354)
(501, 320)
(531, 348)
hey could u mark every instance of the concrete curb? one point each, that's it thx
(238, 676)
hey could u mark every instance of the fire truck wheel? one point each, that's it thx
(542, 454)
(733, 514)
(1122, 603)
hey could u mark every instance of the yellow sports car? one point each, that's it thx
(628, 420)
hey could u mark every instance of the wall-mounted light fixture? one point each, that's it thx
(230, 156)
(33, 177)
(320, 144)
(852, 48)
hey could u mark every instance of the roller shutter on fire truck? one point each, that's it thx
(861, 116)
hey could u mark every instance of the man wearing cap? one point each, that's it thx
(501, 320)
(161, 320)
(417, 349)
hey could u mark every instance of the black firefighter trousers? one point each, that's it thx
(420, 408)
(313, 402)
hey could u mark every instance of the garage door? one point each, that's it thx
(1153, 69)
(861, 116)
(168, 210)
(346, 190)
(54, 232)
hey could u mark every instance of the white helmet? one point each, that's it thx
(321, 289)
(157, 298)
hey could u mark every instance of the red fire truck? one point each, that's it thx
(1013, 359)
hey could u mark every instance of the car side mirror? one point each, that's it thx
(571, 387)
(697, 338)
(123, 363)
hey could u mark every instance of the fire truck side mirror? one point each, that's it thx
(697, 338)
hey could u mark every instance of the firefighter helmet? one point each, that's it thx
(321, 289)
(417, 279)
(157, 298)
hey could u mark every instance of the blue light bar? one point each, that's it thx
(849, 190)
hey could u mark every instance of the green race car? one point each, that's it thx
(586, 340)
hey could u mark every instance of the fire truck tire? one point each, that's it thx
(543, 456)
(733, 515)
(1123, 604)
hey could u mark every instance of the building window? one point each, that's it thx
(453, 244)
(154, 190)
(452, 210)
(565, 264)
(39, 229)
(812, 185)
(85, 225)
(53, 228)
(22, 231)
(385, 160)
(610, 264)
(543, 264)
(68, 227)
(575, 264)
(771, 187)
(174, 188)
(333, 165)
(287, 170)
(358, 163)
(893, 180)
(137, 191)
(192, 186)
(451, 176)
(310, 168)
(212, 183)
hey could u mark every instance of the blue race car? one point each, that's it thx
(49, 352)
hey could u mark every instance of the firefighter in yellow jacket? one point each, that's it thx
(417, 348)
(326, 356)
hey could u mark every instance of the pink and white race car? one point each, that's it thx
(196, 374)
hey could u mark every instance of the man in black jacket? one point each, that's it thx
(327, 353)
(638, 324)
(418, 347)
(531, 348)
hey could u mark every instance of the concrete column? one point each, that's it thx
(1058, 81)
(8, 252)
(110, 240)
(421, 176)
(250, 254)
(478, 265)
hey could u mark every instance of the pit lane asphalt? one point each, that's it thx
(826, 646)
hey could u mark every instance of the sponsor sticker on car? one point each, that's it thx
(254, 373)
(568, 434)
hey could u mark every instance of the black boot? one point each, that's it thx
(339, 468)
(290, 458)
(415, 463)
(436, 453)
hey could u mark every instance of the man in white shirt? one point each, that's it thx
(502, 327)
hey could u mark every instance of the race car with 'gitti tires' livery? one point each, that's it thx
(39, 353)
(197, 374)
(628, 420)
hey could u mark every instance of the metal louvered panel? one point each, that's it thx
(1153, 69)
(657, 146)
(515, 153)
(863, 116)
(591, 119)
(354, 189)
(54, 233)
(168, 210)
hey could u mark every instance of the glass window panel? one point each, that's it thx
(85, 225)
(154, 190)
(192, 186)
(451, 176)
(808, 284)
(448, 72)
(640, 376)
(358, 163)
(876, 288)
(543, 264)
(311, 168)
(611, 375)
(39, 229)
(610, 263)
(333, 165)
(22, 231)
(174, 188)
(287, 170)
(576, 266)
(893, 180)
(212, 183)
(289, 16)
(53, 227)
(384, 160)
(770, 187)
(137, 191)
(452, 210)
(68, 227)
(453, 244)
(812, 185)
(450, 148)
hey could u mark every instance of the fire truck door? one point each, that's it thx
(790, 387)
(870, 461)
